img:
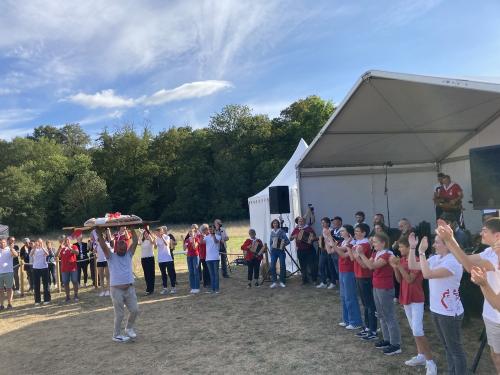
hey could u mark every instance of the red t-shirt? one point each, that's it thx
(452, 192)
(302, 246)
(383, 277)
(192, 247)
(68, 259)
(202, 248)
(359, 271)
(246, 248)
(411, 292)
(346, 264)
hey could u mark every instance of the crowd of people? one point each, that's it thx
(375, 269)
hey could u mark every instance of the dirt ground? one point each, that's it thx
(257, 330)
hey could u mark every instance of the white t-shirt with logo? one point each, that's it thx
(444, 296)
(164, 254)
(493, 278)
(212, 247)
(6, 264)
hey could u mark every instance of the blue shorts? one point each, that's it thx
(66, 276)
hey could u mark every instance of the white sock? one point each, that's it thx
(420, 356)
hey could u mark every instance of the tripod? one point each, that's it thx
(479, 352)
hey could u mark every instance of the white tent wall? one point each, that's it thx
(342, 195)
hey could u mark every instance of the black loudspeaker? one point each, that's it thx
(485, 177)
(279, 200)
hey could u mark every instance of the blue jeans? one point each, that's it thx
(275, 255)
(334, 261)
(194, 273)
(449, 329)
(324, 267)
(213, 269)
(350, 307)
(365, 291)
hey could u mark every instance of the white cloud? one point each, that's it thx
(187, 91)
(11, 120)
(106, 116)
(103, 99)
(108, 98)
(270, 108)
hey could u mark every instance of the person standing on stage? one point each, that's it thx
(221, 231)
(449, 199)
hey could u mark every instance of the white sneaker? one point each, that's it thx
(395, 300)
(37, 304)
(282, 285)
(351, 327)
(416, 361)
(191, 291)
(18, 292)
(321, 286)
(46, 303)
(164, 291)
(173, 291)
(342, 324)
(331, 286)
(273, 285)
(101, 294)
(196, 291)
(131, 333)
(106, 293)
(121, 338)
(431, 368)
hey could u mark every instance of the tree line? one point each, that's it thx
(59, 176)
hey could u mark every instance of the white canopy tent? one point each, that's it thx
(4, 231)
(410, 126)
(260, 217)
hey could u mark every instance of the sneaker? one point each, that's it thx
(431, 368)
(331, 286)
(392, 350)
(106, 293)
(382, 344)
(9, 307)
(321, 286)
(191, 291)
(209, 291)
(101, 294)
(46, 303)
(370, 336)
(257, 284)
(121, 338)
(217, 292)
(37, 304)
(173, 291)
(68, 300)
(351, 327)
(164, 291)
(273, 285)
(18, 292)
(131, 333)
(363, 332)
(196, 291)
(282, 285)
(76, 299)
(342, 324)
(147, 294)
(395, 300)
(249, 285)
(418, 360)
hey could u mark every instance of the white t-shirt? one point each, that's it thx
(212, 247)
(164, 254)
(444, 296)
(101, 257)
(39, 259)
(493, 278)
(146, 249)
(6, 265)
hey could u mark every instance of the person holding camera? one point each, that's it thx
(68, 254)
(304, 236)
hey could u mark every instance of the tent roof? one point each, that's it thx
(403, 119)
(287, 176)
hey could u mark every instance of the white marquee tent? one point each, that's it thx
(420, 125)
(260, 217)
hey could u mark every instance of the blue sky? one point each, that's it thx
(171, 63)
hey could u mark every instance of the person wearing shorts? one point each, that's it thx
(7, 254)
(67, 253)
(411, 297)
(102, 264)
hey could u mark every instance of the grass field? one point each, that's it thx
(258, 330)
